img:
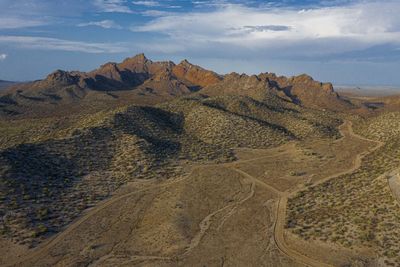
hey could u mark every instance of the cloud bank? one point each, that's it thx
(17, 22)
(282, 32)
(44, 43)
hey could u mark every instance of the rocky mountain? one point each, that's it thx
(302, 90)
(144, 163)
(195, 74)
(73, 139)
(139, 80)
(135, 80)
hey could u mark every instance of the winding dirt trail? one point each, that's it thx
(204, 225)
(282, 197)
(280, 223)
(282, 202)
(280, 239)
(255, 180)
(206, 222)
(357, 161)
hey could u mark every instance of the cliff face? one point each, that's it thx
(195, 74)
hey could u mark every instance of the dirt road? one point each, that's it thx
(281, 198)
(347, 131)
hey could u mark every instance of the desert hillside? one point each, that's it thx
(140, 81)
(144, 163)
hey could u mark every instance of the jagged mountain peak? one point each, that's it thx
(139, 58)
(303, 77)
(61, 77)
(196, 74)
(138, 78)
(186, 63)
(58, 74)
(109, 64)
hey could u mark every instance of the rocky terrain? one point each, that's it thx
(302, 90)
(138, 80)
(173, 159)
(135, 80)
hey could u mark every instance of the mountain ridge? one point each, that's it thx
(139, 80)
(76, 138)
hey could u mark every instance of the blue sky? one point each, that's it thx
(342, 41)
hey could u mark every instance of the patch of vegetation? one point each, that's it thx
(356, 209)
(51, 182)
(239, 121)
(51, 169)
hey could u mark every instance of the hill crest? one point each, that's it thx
(139, 80)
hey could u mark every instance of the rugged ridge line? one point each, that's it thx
(138, 80)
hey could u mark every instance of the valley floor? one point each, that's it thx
(228, 214)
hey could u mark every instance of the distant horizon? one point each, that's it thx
(368, 86)
(177, 60)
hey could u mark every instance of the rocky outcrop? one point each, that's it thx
(195, 74)
(130, 73)
(139, 80)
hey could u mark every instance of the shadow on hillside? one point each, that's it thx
(161, 129)
(39, 180)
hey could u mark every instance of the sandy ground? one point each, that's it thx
(216, 215)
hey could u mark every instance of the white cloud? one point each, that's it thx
(3, 57)
(45, 43)
(16, 22)
(174, 6)
(112, 6)
(317, 31)
(156, 13)
(217, 3)
(147, 3)
(154, 4)
(106, 24)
